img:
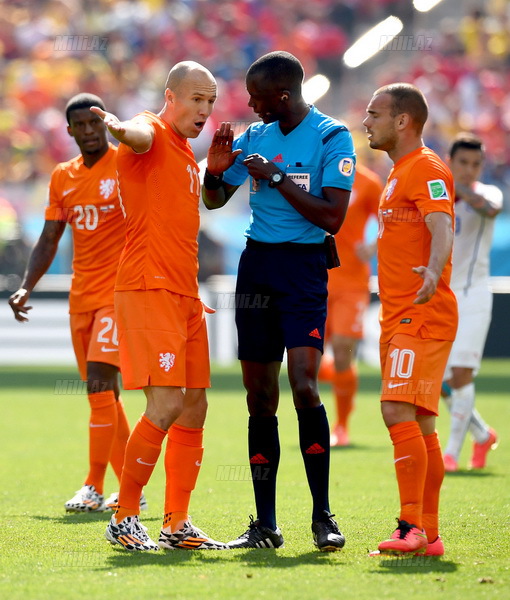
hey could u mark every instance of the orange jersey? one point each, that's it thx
(354, 273)
(419, 184)
(160, 194)
(88, 200)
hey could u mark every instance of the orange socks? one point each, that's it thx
(345, 386)
(433, 481)
(326, 368)
(120, 440)
(102, 432)
(142, 452)
(183, 458)
(410, 454)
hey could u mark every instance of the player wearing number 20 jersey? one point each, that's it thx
(83, 193)
(87, 199)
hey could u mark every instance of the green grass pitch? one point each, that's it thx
(46, 554)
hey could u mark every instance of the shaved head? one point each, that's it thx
(183, 71)
(190, 94)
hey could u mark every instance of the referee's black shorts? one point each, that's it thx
(281, 299)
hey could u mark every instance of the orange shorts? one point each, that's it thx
(345, 313)
(162, 339)
(94, 336)
(412, 371)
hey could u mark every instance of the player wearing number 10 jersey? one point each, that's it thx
(418, 308)
(83, 193)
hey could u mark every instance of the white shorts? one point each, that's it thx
(475, 312)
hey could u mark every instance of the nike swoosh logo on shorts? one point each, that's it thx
(103, 349)
(100, 424)
(65, 192)
(198, 463)
(394, 385)
(139, 460)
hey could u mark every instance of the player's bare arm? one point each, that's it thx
(327, 212)
(440, 226)
(39, 262)
(220, 157)
(135, 133)
(476, 201)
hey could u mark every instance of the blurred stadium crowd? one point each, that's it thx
(122, 51)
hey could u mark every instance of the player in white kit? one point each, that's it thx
(475, 208)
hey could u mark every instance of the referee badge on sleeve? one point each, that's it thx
(346, 166)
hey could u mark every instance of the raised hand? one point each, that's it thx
(135, 133)
(116, 127)
(220, 155)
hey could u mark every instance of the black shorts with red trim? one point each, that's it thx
(281, 299)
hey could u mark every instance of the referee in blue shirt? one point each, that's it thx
(301, 168)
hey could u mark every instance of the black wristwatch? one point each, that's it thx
(276, 178)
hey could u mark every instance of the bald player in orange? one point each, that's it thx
(83, 193)
(162, 330)
(348, 298)
(418, 308)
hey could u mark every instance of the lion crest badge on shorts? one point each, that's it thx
(166, 360)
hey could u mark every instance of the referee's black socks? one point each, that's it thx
(264, 451)
(314, 443)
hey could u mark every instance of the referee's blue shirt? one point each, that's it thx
(318, 153)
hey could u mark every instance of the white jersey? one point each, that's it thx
(473, 240)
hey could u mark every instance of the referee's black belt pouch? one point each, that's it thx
(332, 258)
